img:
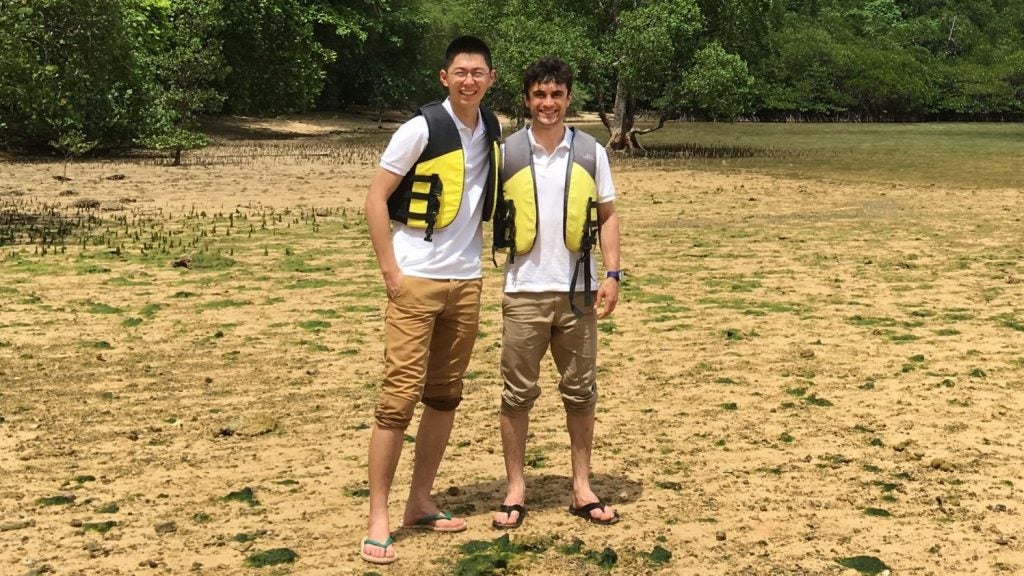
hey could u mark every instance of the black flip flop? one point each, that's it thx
(585, 510)
(508, 510)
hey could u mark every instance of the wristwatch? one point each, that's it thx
(616, 274)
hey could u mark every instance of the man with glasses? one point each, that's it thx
(435, 184)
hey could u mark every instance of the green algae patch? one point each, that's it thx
(879, 512)
(498, 556)
(657, 557)
(60, 500)
(869, 565)
(271, 557)
(245, 495)
(101, 527)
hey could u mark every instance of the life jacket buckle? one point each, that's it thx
(504, 231)
(433, 205)
(589, 240)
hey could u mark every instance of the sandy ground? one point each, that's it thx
(799, 372)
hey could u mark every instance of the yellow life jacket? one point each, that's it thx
(430, 195)
(516, 226)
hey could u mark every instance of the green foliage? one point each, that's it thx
(184, 55)
(276, 63)
(652, 41)
(83, 76)
(71, 141)
(382, 53)
(885, 59)
(518, 38)
(68, 77)
(717, 84)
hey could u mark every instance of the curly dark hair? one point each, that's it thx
(547, 69)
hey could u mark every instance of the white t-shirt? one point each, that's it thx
(549, 266)
(454, 252)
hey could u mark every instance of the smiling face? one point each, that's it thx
(467, 80)
(548, 102)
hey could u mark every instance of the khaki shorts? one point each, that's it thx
(534, 322)
(429, 331)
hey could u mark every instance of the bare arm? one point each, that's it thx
(382, 186)
(608, 223)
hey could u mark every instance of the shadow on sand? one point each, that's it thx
(543, 492)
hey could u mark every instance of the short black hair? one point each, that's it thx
(547, 69)
(466, 45)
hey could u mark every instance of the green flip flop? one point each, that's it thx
(382, 545)
(428, 523)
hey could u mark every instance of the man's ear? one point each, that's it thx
(443, 76)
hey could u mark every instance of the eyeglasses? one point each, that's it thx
(477, 74)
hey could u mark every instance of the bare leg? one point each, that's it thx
(431, 441)
(385, 451)
(581, 439)
(514, 428)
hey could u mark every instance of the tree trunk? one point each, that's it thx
(177, 157)
(622, 136)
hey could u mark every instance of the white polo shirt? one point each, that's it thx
(549, 266)
(454, 252)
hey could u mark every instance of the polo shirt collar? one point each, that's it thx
(458, 123)
(565, 144)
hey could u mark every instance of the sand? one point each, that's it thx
(799, 371)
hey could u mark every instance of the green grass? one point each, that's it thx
(975, 155)
(208, 262)
(757, 307)
(100, 308)
(359, 308)
(314, 325)
(220, 304)
(309, 283)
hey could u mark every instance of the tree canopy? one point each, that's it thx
(115, 73)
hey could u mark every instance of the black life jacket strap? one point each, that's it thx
(586, 246)
(504, 231)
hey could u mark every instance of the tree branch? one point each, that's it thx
(662, 116)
